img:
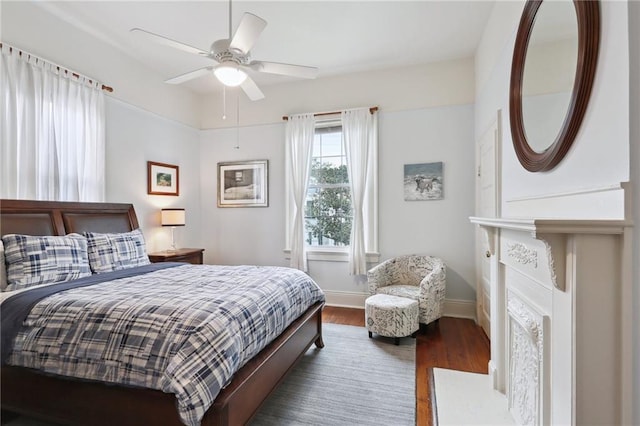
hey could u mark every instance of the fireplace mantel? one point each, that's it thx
(557, 318)
(553, 233)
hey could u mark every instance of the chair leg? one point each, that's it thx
(370, 335)
(396, 341)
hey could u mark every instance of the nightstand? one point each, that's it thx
(189, 255)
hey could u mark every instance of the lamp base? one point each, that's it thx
(173, 247)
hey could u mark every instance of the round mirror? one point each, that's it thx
(552, 73)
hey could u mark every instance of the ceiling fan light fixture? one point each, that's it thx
(230, 74)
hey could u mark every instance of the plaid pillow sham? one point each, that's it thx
(113, 252)
(3, 269)
(33, 260)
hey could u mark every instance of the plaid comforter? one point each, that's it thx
(183, 330)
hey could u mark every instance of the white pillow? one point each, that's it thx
(3, 269)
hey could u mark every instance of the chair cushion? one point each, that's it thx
(408, 291)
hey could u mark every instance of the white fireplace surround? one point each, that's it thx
(560, 318)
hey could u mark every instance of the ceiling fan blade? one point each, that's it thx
(168, 42)
(252, 90)
(299, 71)
(190, 75)
(247, 33)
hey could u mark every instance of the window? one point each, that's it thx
(62, 157)
(328, 212)
(328, 216)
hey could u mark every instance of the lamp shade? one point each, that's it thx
(172, 217)
(230, 74)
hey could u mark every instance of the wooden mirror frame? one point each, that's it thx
(588, 14)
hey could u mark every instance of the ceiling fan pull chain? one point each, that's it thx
(224, 102)
(237, 122)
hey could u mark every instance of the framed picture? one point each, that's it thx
(423, 181)
(162, 179)
(243, 184)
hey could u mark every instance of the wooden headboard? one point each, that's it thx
(60, 217)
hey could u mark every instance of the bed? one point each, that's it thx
(72, 401)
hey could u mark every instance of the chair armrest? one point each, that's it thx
(378, 276)
(435, 280)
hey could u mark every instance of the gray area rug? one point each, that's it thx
(353, 380)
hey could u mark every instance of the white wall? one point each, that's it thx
(415, 132)
(135, 136)
(32, 27)
(440, 228)
(243, 235)
(600, 153)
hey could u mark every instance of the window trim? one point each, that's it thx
(331, 254)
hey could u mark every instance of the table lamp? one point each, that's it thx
(172, 218)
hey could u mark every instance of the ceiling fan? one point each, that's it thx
(233, 57)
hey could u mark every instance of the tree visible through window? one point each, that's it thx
(328, 212)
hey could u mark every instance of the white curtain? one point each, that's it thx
(299, 142)
(52, 129)
(358, 134)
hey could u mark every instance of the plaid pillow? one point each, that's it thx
(3, 269)
(32, 260)
(113, 252)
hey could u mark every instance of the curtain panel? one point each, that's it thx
(358, 132)
(53, 132)
(300, 133)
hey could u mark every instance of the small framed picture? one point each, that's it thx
(423, 181)
(243, 184)
(162, 179)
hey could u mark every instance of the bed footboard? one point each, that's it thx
(75, 402)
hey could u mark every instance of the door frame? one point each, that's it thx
(481, 239)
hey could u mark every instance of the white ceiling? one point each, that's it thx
(335, 36)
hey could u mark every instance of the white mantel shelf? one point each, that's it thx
(555, 226)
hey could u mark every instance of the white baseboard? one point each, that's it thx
(345, 299)
(460, 308)
(452, 307)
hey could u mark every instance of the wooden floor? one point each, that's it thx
(454, 343)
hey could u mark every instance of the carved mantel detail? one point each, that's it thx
(526, 342)
(556, 246)
(489, 238)
(522, 254)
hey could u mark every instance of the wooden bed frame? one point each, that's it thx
(71, 401)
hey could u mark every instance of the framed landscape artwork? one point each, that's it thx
(162, 179)
(423, 181)
(243, 184)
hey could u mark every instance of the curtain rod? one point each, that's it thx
(319, 114)
(58, 67)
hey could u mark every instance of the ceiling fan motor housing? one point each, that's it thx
(221, 52)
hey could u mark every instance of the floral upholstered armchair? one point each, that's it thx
(422, 278)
